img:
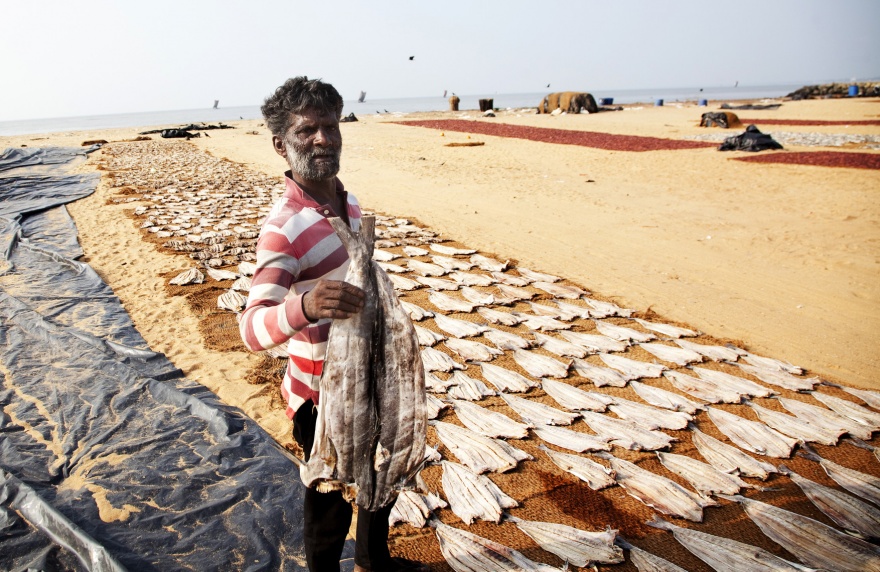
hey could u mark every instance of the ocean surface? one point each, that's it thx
(175, 118)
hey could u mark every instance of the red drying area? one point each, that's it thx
(812, 122)
(820, 159)
(592, 139)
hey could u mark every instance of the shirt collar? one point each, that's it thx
(294, 192)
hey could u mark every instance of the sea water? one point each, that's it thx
(525, 101)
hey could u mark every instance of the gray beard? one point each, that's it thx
(301, 163)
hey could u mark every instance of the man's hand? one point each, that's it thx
(332, 299)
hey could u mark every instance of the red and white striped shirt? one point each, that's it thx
(297, 247)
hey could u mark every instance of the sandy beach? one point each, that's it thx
(780, 259)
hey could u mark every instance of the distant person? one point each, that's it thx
(298, 288)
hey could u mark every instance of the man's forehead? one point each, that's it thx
(311, 115)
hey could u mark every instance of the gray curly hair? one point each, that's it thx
(295, 96)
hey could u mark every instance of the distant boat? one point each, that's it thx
(216, 103)
(362, 97)
(444, 93)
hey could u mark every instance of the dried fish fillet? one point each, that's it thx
(714, 353)
(574, 398)
(702, 389)
(476, 297)
(506, 340)
(850, 410)
(648, 416)
(435, 384)
(427, 337)
(438, 283)
(479, 453)
(435, 360)
(487, 422)
(647, 562)
(539, 365)
(560, 290)
(468, 388)
(231, 300)
(825, 418)
(771, 363)
(450, 304)
(858, 517)
(383, 255)
(679, 356)
(667, 329)
(626, 434)
(573, 545)
(796, 427)
(425, 268)
(466, 552)
(414, 508)
(450, 250)
(488, 264)
(458, 328)
(600, 376)
(632, 369)
(572, 311)
(472, 351)
(813, 543)
(472, 279)
(434, 406)
(472, 496)
(511, 279)
(220, 275)
(622, 333)
(595, 475)
(872, 398)
(191, 276)
(607, 309)
(780, 378)
(860, 484)
(594, 342)
(392, 268)
(415, 312)
(738, 384)
(414, 251)
(752, 435)
(560, 347)
(499, 317)
(536, 412)
(451, 264)
(728, 458)
(541, 322)
(536, 276)
(242, 284)
(515, 292)
(659, 493)
(506, 380)
(403, 283)
(570, 439)
(666, 399)
(247, 268)
(703, 477)
(726, 555)
(544, 310)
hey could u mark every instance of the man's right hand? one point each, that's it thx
(332, 299)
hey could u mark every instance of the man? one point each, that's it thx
(298, 288)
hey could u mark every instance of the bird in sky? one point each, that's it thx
(411, 58)
(548, 85)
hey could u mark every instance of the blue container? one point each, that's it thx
(853, 90)
(658, 103)
(607, 101)
(704, 102)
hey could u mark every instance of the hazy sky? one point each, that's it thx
(72, 57)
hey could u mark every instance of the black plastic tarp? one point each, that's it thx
(750, 140)
(109, 458)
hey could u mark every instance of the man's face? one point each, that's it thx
(313, 145)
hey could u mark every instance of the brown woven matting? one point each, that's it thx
(819, 159)
(608, 141)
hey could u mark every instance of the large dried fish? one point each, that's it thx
(625, 433)
(466, 552)
(679, 356)
(813, 543)
(392, 268)
(473, 496)
(573, 545)
(472, 279)
(403, 283)
(572, 311)
(451, 264)
(600, 376)
(247, 268)
(383, 255)
(544, 310)
(427, 337)
(850, 410)
(666, 399)
(714, 353)
(506, 380)
(752, 435)
(242, 284)
(488, 264)
(772, 363)
(435, 360)
(872, 398)
(647, 562)
(606, 309)
(825, 418)
(499, 317)
(560, 290)
(780, 378)
(414, 508)
(191, 276)
(739, 384)
(435, 384)
(572, 440)
(479, 453)
(726, 555)
(450, 250)
(231, 300)
(728, 458)
(468, 388)
(574, 398)
(450, 304)
(704, 477)
(560, 347)
(372, 367)
(795, 427)
(414, 251)
(425, 268)
(622, 333)
(667, 329)
(539, 365)
(220, 274)
(438, 283)
(506, 340)
(487, 422)
(472, 351)
(511, 279)
(458, 328)
(537, 412)
(476, 297)
(858, 517)
(515, 292)
(860, 484)
(632, 369)
(536, 276)
(541, 322)
(702, 389)
(416, 313)
(594, 342)
(660, 493)
(595, 475)
(648, 416)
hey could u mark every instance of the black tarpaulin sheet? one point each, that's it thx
(750, 140)
(109, 458)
